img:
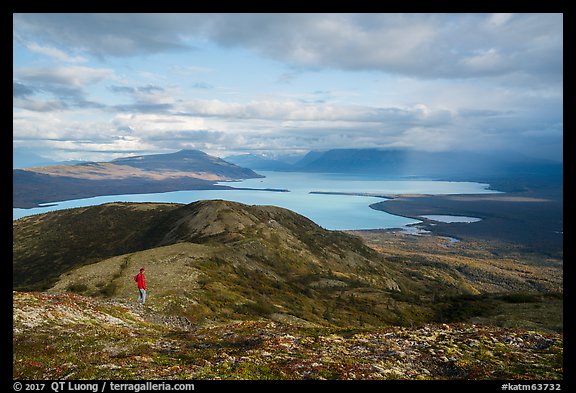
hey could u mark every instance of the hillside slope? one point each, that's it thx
(194, 161)
(67, 336)
(220, 260)
(46, 245)
(260, 292)
(56, 241)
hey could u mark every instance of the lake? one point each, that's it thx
(331, 211)
(451, 219)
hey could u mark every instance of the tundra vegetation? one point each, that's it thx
(259, 292)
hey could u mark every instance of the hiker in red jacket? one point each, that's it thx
(141, 280)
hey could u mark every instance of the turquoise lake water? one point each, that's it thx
(335, 212)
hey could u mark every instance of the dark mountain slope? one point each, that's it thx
(48, 244)
(212, 259)
(187, 161)
(446, 165)
(373, 161)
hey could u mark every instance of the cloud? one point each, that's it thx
(72, 76)
(131, 90)
(282, 124)
(21, 90)
(420, 45)
(143, 107)
(146, 99)
(293, 124)
(187, 70)
(46, 98)
(151, 124)
(26, 97)
(484, 61)
(292, 110)
(122, 89)
(103, 35)
(54, 53)
(427, 138)
(429, 81)
(202, 85)
(40, 105)
(499, 19)
(64, 85)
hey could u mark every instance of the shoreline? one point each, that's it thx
(530, 219)
(49, 203)
(531, 216)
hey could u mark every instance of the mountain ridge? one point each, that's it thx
(187, 161)
(258, 162)
(411, 163)
(183, 170)
(130, 227)
(241, 260)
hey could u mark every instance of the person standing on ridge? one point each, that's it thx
(141, 281)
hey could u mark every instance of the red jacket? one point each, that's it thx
(141, 280)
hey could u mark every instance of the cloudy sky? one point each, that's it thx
(101, 86)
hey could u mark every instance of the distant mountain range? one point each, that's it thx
(183, 170)
(188, 161)
(193, 169)
(403, 163)
(258, 162)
